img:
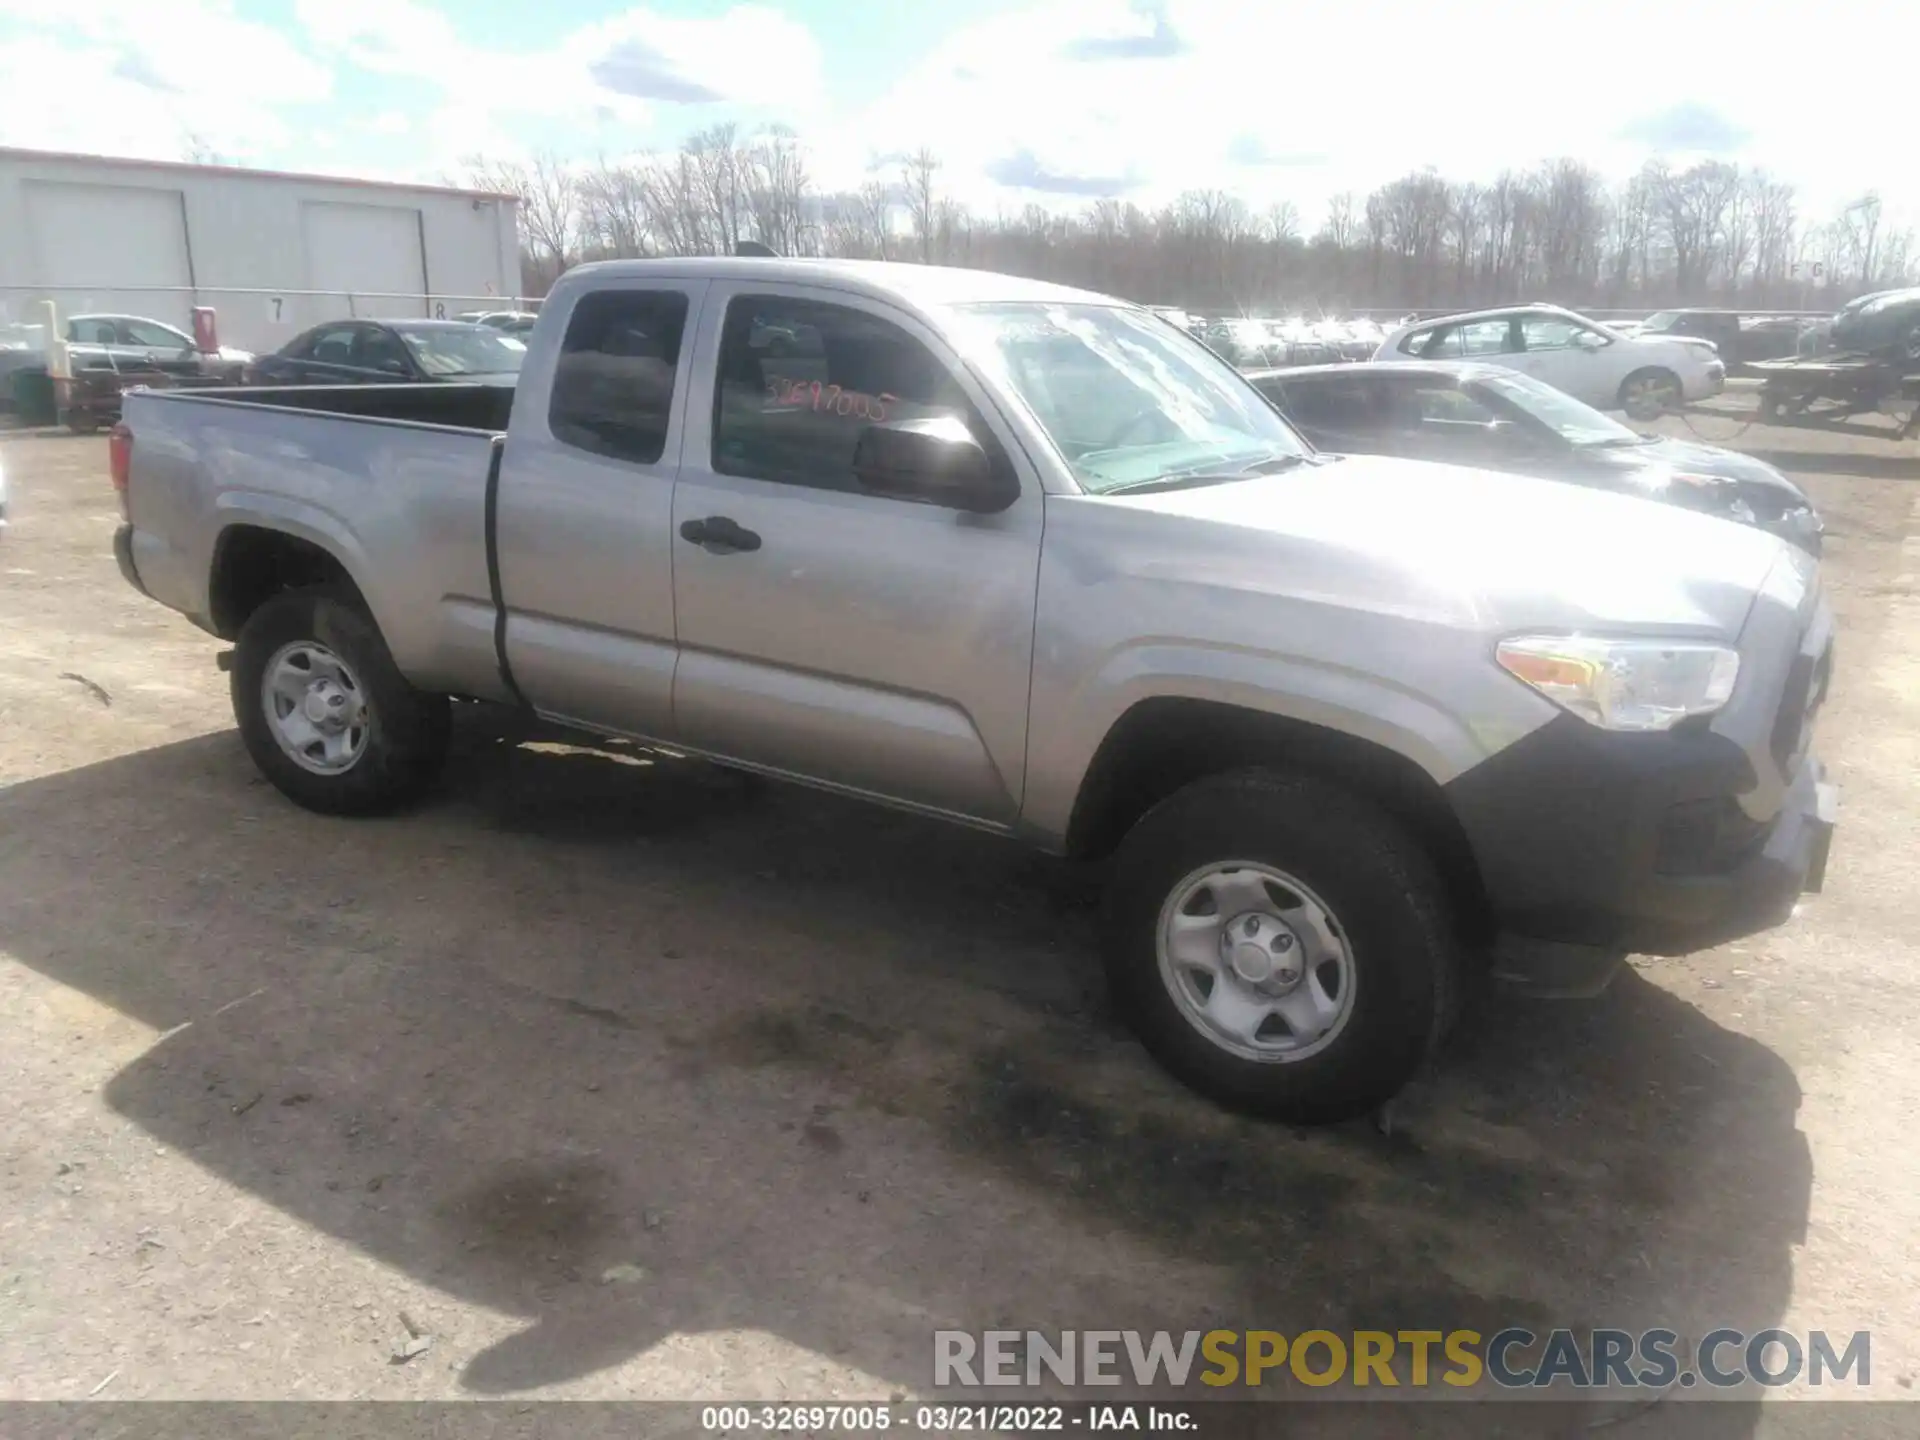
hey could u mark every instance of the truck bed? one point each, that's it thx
(397, 482)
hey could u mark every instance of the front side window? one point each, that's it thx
(1549, 332)
(1446, 404)
(800, 380)
(332, 347)
(154, 337)
(1124, 398)
(613, 382)
(380, 351)
(1573, 422)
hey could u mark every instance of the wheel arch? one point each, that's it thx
(253, 561)
(1162, 744)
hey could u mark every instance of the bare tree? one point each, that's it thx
(1859, 231)
(1570, 210)
(1280, 221)
(876, 216)
(549, 208)
(1737, 236)
(1693, 207)
(1340, 228)
(1772, 206)
(774, 173)
(923, 200)
(1557, 232)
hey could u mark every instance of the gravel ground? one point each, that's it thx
(617, 1076)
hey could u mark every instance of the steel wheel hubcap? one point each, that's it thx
(1651, 392)
(315, 708)
(1255, 961)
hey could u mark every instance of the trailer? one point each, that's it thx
(1827, 389)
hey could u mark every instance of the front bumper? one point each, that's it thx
(1711, 381)
(1593, 846)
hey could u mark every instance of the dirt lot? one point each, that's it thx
(624, 1077)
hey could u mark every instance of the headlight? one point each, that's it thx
(1624, 684)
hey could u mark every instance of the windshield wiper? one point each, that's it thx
(1191, 479)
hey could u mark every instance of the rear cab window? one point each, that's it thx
(613, 381)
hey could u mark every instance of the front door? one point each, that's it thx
(1567, 355)
(873, 644)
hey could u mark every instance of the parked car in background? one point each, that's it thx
(1592, 363)
(1738, 338)
(510, 322)
(1492, 418)
(387, 352)
(128, 344)
(1028, 559)
(133, 342)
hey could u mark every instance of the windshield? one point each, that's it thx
(1124, 397)
(1573, 422)
(1661, 320)
(464, 350)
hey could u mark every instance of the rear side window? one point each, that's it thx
(800, 380)
(1346, 405)
(1440, 343)
(613, 383)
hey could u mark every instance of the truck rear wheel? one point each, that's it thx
(325, 713)
(1281, 945)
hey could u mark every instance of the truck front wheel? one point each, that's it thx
(325, 713)
(1281, 945)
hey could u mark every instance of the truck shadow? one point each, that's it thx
(635, 1050)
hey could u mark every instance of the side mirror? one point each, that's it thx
(935, 461)
(1587, 340)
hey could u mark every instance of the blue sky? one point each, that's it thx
(1047, 101)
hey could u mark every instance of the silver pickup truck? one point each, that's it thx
(1031, 560)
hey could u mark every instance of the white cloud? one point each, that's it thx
(616, 72)
(129, 77)
(1071, 96)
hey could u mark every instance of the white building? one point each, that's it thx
(271, 253)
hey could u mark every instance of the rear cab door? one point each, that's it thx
(826, 632)
(585, 504)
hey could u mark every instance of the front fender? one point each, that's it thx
(1441, 741)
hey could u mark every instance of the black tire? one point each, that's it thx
(407, 732)
(1651, 372)
(1375, 878)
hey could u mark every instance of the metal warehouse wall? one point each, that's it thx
(156, 239)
